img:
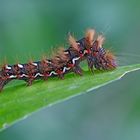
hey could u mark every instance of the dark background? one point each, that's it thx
(30, 28)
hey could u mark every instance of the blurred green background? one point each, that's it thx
(30, 28)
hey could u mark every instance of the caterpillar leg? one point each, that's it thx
(28, 81)
(78, 70)
(90, 65)
(45, 78)
(61, 76)
(3, 82)
(91, 62)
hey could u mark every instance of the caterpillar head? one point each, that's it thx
(87, 41)
(96, 54)
(92, 41)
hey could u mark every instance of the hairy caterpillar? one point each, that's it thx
(63, 61)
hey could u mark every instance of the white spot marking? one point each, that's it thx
(85, 51)
(49, 62)
(66, 52)
(13, 76)
(35, 64)
(20, 66)
(8, 67)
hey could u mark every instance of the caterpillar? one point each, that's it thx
(63, 61)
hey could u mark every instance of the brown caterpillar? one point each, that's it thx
(63, 61)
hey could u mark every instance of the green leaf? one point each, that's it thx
(18, 101)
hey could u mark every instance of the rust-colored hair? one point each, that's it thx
(111, 60)
(89, 36)
(73, 43)
(100, 40)
(59, 58)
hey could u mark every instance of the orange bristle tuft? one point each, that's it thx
(110, 55)
(73, 43)
(89, 35)
(100, 40)
(111, 59)
(44, 56)
(59, 57)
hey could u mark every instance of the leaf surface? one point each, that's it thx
(18, 101)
